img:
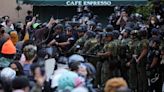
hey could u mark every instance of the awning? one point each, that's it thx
(83, 2)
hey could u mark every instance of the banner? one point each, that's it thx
(83, 2)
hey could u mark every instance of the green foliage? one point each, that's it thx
(145, 10)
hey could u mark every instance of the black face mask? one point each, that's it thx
(17, 73)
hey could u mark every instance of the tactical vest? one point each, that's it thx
(124, 47)
(110, 47)
(89, 44)
(133, 47)
(116, 47)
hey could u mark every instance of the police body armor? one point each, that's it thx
(153, 73)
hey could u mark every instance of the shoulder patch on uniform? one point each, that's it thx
(130, 42)
(109, 45)
(93, 41)
(80, 40)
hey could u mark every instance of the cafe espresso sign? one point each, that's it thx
(88, 3)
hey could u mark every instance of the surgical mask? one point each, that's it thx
(152, 22)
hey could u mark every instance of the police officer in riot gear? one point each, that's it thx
(133, 57)
(98, 60)
(154, 77)
(124, 53)
(107, 54)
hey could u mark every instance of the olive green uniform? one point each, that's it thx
(115, 58)
(107, 66)
(137, 71)
(124, 57)
(80, 42)
(141, 66)
(92, 51)
(133, 65)
(89, 44)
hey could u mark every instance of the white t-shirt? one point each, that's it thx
(4, 24)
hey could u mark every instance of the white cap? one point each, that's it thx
(8, 73)
(75, 58)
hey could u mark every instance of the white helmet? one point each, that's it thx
(76, 58)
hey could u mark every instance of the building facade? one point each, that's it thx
(8, 7)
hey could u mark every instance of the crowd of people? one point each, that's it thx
(83, 55)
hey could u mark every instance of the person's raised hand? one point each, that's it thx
(51, 22)
(30, 23)
(33, 19)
